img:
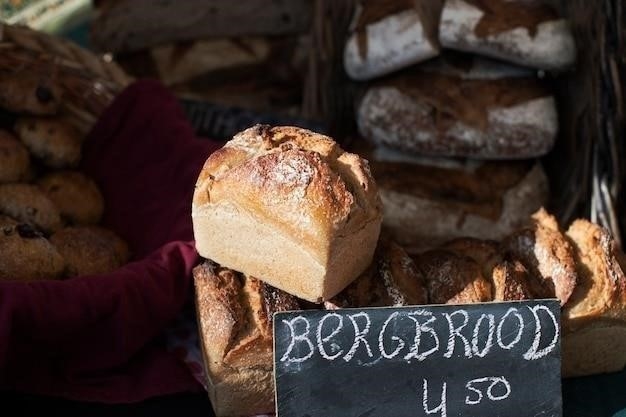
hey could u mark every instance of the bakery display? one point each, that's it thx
(463, 270)
(51, 92)
(528, 33)
(316, 207)
(389, 35)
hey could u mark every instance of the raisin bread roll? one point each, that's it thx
(290, 207)
(90, 250)
(14, 159)
(235, 320)
(526, 33)
(26, 254)
(53, 140)
(29, 204)
(488, 115)
(77, 196)
(391, 34)
(426, 204)
(594, 318)
(31, 93)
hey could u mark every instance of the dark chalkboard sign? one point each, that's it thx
(487, 360)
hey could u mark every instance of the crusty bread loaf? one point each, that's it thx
(527, 33)
(434, 113)
(547, 255)
(594, 318)
(452, 278)
(391, 34)
(391, 280)
(426, 205)
(290, 207)
(235, 320)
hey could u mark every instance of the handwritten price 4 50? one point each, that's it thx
(497, 388)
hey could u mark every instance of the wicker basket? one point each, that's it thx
(586, 167)
(89, 82)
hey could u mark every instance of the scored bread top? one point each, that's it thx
(297, 181)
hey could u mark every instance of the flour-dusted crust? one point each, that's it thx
(31, 93)
(548, 256)
(290, 207)
(392, 279)
(434, 114)
(390, 35)
(425, 205)
(235, 320)
(524, 33)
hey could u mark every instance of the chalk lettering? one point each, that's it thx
(441, 407)
(520, 329)
(421, 328)
(455, 331)
(321, 340)
(494, 381)
(532, 353)
(489, 342)
(381, 339)
(359, 335)
(303, 337)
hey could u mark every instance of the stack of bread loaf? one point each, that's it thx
(287, 220)
(454, 111)
(249, 54)
(49, 210)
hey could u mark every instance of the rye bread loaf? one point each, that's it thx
(527, 33)
(235, 310)
(235, 320)
(388, 35)
(290, 207)
(594, 318)
(486, 113)
(426, 204)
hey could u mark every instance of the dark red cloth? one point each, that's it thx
(98, 338)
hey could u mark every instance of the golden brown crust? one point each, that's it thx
(270, 170)
(21, 92)
(311, 201)
(601, 288)
(391, 280)
(90, 250)
(452, 278)
(76, 196)
(28, 204)
(53, 140)
(547, 255)
(510, 282)
(14, 159)
(26, 254)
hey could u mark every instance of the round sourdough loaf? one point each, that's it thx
(290, 207)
